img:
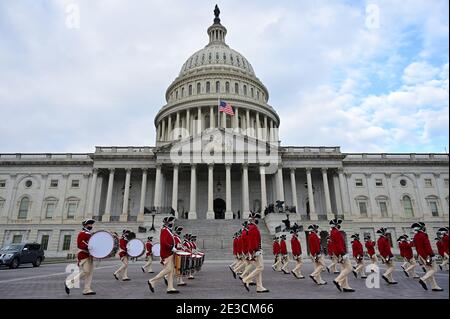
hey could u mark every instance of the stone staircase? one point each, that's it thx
(215, 237)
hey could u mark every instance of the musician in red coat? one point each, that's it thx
(337, 238)
(246, 266)
(235, 252)
(85, 260)
(405, 246)
(358, 255)
(178, 246)
(296, 255)
(255, 254)
(149, 254)
(384, 249)
(167, 249)
(316, 255)
(425, 254)
(123, 255)
(442, 245)
(284, 255)
(370, 246)
(332, 267)
(277, 253)
(242, 263)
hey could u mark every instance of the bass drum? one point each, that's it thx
(103, 244)
(156, 250)
(135, 248)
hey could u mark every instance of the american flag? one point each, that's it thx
(226, 108)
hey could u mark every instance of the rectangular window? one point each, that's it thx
(2, 183)
(54, 183)
(17, 239)
(379, 182)
(383, 209)
(363, 209)
(358, 182)
(49, 210)
(44, 242)
(71, 210)
(75, 183)
(66, 242)
(434, 209)
(428, 182)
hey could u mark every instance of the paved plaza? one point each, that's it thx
(215, 281)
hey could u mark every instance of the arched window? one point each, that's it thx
(236, 88)
(182, 92)
(245, 90)
(257, 95)
(23, 208)
(208, 87)
(252, 93)
(217, 87)
(227, 87)
(176, 94)
(407, 206)
(198, 88)
(190, 90)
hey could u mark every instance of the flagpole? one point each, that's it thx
(218, 113)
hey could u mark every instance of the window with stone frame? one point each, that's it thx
(383, 208)
(17, 239)
(190, 89)
(428, 182)
(236, 88)
(199, 88)
(227, 87)
(2, 204)
(75, 183)
(245, 90)
(54, 183)
(362, 203)
(66, 242)
(2, 183)
(217, 86)
(407, 206)
(433, 204)
(208, 87)
(72, 206)
(379, 182)
(44, 241)
(359, 182)
(24, 207)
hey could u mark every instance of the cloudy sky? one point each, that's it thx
(366, 76)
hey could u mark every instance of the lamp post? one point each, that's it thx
(153, 220)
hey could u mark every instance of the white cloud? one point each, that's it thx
(419, 72)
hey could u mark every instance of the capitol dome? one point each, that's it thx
(215, 73)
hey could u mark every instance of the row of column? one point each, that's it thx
(254, 126)
(210, 211)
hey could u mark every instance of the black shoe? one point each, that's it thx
(150, 286)
(165, 281)
(402, 267)
(151, 272)
(348, 290)
(273, 268)
(143, 270)
(363, 277)
(66, 288)
(115, 276)
(90, 293)
(328, 269)
(424, 269)
(232, 271)
(336, 272)
(292, 272)
(406, 273)
(393, 282)
(246, 287)
(385, 278)
(126, 279)
(440, 267)
(262, 291)
(252, 284)
(423, 284)
(313, 279)
(170, 292)
(337, 285)
(285, 272)
(438, 289)
(301, 277)
(355, 274)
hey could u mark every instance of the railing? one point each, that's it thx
(123, 149)
(313, 149)
(395, 156)
(44, 156)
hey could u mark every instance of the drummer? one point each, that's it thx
(85, 261)
(179, 246)
(148, 246)
(123, 255)
(167, 259)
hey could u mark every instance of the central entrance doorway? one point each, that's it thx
(219, 208)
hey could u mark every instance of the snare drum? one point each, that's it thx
(156, 250)
(182, 262)
(103, 244)
(135, 248)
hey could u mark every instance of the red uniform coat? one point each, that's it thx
(384, 247)
(239, 245)
(440, 247)
(330, 248)
(244, 242)
(295, 246)
(235, 246)
(314, 243)
(406, 249)
(82, 244)
(166, 242)
(445, 243)
(123, 247)
(254, 239)
(357, 248)
(177, 241)
(148, 247)
(283, 247)
(276, 248)
(423, 245)
(338, 242)
(370, 246)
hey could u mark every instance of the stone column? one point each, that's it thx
(224, 120)
(199, 122)
(247, 121)
(262, 175)
(12, 190)
(90, 210)
(210, 212)
(126, 195)
(157, 197)
(169, 129)
(236, 120)
(312, 207)
(280, 186)
(163, 130)
(294, 190)
(188, 122)
(228, 211)
(107, 215)
(211, 117)
(140, 217)
(419, 210)
(326, 188)
(245, 202)
(344, 196)
(258, 127)
(193, 200)
(272, 131)
(177, 127)
(158, 136)
(175, 190)
(265, 128)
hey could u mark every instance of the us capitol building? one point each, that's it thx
(213, 169)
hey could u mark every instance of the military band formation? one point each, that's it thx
(181, 258)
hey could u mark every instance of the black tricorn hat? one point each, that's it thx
(443, 230)
(254, 215)
(418, 225)
(335, 221)
(356, 236)
(382, 231)
(313, 227)
(168, 219)
(88, 221)
(402, 237)
(149, 237)
(293, 232)
(178, 228)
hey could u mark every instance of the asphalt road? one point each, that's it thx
(215, 281)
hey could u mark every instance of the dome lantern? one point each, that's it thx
(217, 31)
